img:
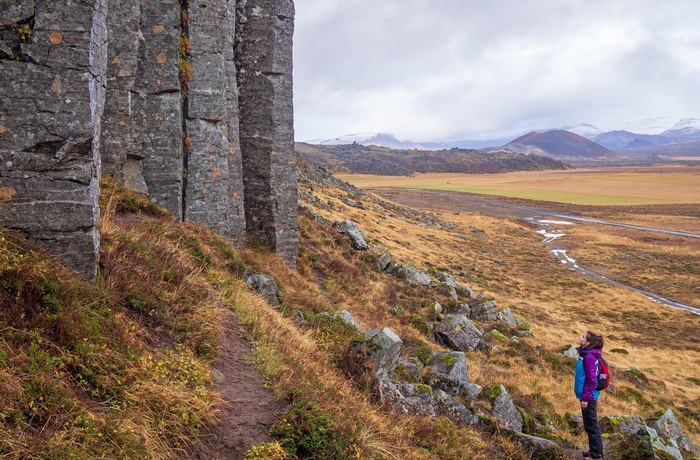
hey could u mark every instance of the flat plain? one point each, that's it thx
(662, 184)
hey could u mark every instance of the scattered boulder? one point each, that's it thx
(485, 311)
(384, 260)
(575, 422)
(347, 318)
(465, 292)
(449, 291)
(264, 285)
(385, 349)
(459, 333)
(420, 399)
(464, 309)
(409, 370)
(445, 278)
(412, 275)
(538, 447)
(357, 239)
(571, 352)
(621, 424)
(506, 317)
(503, 408)
(660, 448)
(667, 426)
(449, 372)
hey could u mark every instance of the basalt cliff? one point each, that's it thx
(188, 102)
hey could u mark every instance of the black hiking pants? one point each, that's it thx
(590, 424)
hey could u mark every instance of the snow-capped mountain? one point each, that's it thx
(380, 139)
(583, 130)
(687, 126)
(646, 126)
(647, 133)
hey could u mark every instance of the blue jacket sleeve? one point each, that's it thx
(591, 382)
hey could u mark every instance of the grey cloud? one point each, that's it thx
(459, 68)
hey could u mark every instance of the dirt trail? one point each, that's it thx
(249, 409)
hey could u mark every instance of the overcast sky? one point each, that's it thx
(455, 69)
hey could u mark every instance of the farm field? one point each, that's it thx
(586, 186)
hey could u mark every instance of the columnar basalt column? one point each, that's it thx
(156, 133)
(214, 192)
(264, 57)
(52, 69)
(122, 153)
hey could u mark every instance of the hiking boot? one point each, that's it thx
(587, 454)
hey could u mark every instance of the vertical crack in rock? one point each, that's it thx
(185, 72)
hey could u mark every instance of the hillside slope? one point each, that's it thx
(560, 144)
(134, 354)
(361, 159)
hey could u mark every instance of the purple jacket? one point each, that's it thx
(586, 378)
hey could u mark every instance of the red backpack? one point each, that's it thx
(603, 375)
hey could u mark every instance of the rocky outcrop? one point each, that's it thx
(52, 70)
(357, 239)
(197, 115)
(661, 439)
(503, 408)
(264, 285)
(410, 399)
(458, 333)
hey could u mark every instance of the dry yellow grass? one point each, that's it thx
(621, 185)
(559, 304)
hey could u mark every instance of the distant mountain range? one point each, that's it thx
(372, 159)
(648, 138)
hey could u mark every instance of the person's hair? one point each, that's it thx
(595, 340)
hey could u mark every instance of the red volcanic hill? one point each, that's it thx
(560, 144)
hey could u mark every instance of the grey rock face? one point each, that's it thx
(53, 79)
(412, 368)
(410, 399)
(263, 285)
(357, 239)
(170, 122)
(214, 194)
(458, 333)
(485, 311)
(349, 319)
(506, 317)
(621, 424)
(412, 275)
(571, 352)
(264, 63)
(504, 409)
(667, 426)
(661, 448)
(385, 348)
(384, 261)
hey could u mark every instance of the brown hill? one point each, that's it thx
(371, 159)
(560, 144)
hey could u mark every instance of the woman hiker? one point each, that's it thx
(585, 382)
